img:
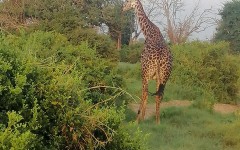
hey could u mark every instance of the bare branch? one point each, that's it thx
(178, 27)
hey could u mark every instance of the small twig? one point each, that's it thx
(107, 100)
(110, 87)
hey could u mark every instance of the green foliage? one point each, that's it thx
(130, 70)
(132, 75)
(60, 15)
(229, 29)
(16, 135)
(131, 53)
(124, 140)
(104, 46)
(209, 67)
(231, 138)
(191, 128)
(120, 25)
(47, 99)
(204, 72)
(206, 102)
(128, 27)
(67, 16)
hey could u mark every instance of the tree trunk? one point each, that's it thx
(119, 41)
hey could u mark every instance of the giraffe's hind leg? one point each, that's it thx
(142, 107)
(159, 96)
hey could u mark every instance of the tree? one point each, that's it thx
(89, 14)
(229, 27)
(62, 15)
(65, 16)
(128, 28)
(179, 28)
(120, 25)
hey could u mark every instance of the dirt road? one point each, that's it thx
(150, 111)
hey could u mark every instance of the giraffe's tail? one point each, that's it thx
(160, 90)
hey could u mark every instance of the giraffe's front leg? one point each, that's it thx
(145, 98)
(142, 107)
(157, 101)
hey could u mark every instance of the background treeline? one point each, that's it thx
(61, 82)
(70, 17)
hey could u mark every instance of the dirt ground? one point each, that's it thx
(150, 111)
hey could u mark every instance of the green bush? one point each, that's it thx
(125, 141)
(131, 53)
(208, 66)
(103, 44)
(204, 72)
(47, 99)
(16, 135)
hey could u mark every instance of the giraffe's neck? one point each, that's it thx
(150, 31)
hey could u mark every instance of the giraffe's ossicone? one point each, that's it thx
(156, 58)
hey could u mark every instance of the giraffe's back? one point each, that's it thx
(156, 62)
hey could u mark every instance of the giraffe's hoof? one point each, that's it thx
(137, 121)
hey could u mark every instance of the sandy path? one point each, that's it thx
(150, 111)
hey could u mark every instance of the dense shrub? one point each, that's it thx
(103, 44)
(16, 135)
(131, 53)
(208, 66)
(105, 47)
(44, 98)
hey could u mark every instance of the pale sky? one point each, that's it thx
(215, 6)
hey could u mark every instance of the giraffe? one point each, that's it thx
(156, 58)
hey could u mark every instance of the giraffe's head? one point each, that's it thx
(129, 4)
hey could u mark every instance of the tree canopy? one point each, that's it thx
(229, 27)
(65, 16)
